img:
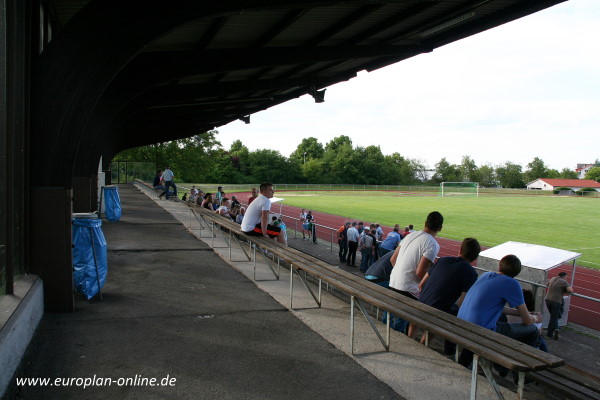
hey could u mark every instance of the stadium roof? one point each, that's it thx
(121, 74)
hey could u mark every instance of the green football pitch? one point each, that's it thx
(568, 223)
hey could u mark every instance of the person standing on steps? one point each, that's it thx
(557, 288)
(167, 177)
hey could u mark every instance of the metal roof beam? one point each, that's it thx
(184, 64)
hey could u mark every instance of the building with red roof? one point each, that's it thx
(573, 184)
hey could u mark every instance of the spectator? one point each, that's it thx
(157, 183)
(304, 224)
(406, 232)
(446, 283)
(168, 177)
(219, 195)
(256, 220)
(485, 303)
(557, 288)
(373, 232)
(253, 196)
(378, 232)
(310, 221)
(225, 209)
(240, 216)
(379, 273)
(360, 228)
(391, 242)
(352, 244)
(235, 202)
(283, 227)
(413, 257)
(411, 228)
(343, 241)
(207, 202)
(367, 248)
(199, 198)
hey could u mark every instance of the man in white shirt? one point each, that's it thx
(167, 177)
(352, 244)
(413, 257)
(225, 209)
(256, 220)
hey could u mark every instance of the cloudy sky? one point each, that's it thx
(529, 88)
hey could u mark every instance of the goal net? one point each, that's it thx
(459, 189)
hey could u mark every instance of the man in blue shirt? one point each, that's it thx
(391, 241)
(485, 303)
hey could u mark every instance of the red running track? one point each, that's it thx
(587, 280)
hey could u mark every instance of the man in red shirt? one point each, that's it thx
(254, 196)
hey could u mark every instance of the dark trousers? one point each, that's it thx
(171, 184)
(352, 247)
(554, 309)
(527, 334)
(343, 243)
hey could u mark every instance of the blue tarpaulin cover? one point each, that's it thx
(112, 203)
(89, 256)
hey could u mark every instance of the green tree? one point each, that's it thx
(510, 175)
(446, 172)
(468, 170)
(373, 166)
(398, 170)
(310, 148)
(552, 174)
(594, 174)
(239, 154)
(419, 170)
(270, 166)
(345, 165)
(536, 169)
(486, 176)
(567, 173)
(314, 171)
(189, 158)
(337, 143)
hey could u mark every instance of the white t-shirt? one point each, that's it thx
(254, 212)
(412, 248)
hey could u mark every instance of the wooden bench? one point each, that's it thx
(487, 346)
(570, 382)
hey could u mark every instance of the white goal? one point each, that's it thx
(459, 189)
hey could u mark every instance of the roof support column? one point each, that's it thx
(51, 245)
(85, 191)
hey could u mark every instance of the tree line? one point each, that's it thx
(202, 158)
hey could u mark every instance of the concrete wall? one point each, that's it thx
(20, 315)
